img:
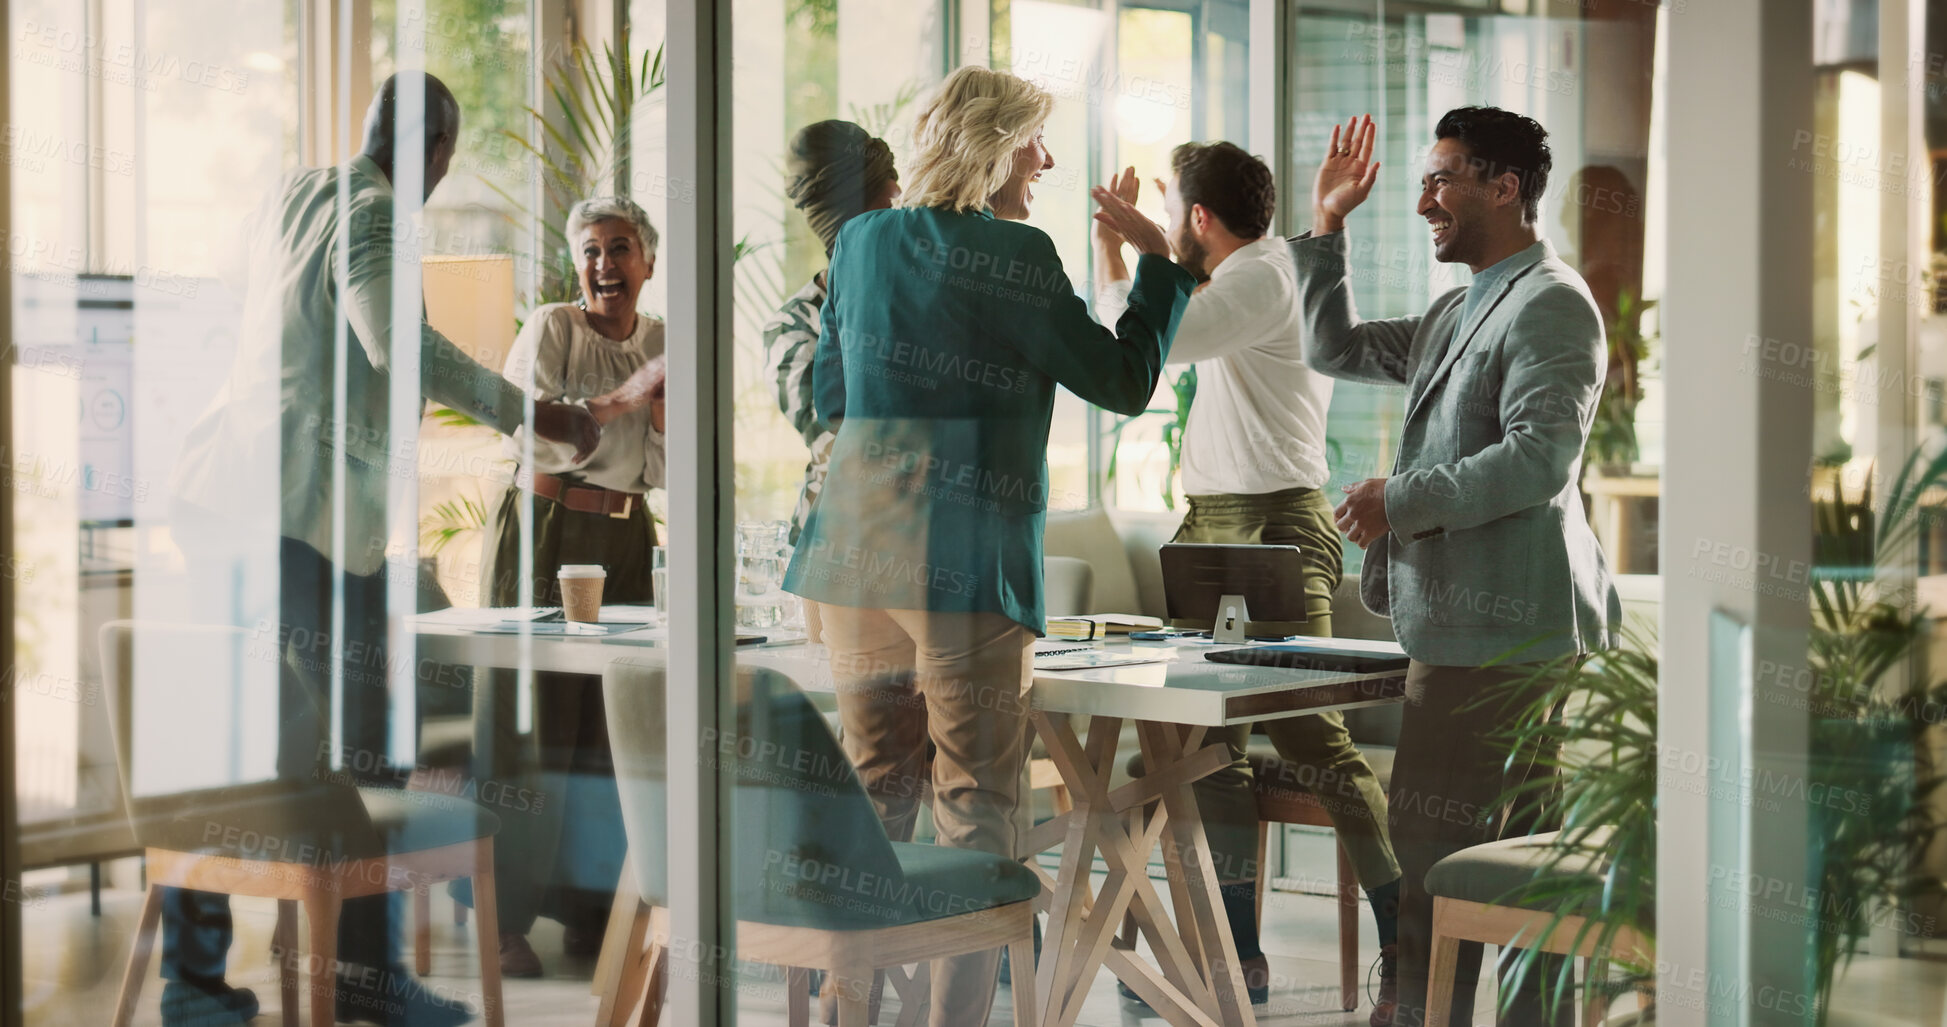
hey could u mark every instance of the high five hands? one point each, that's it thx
(1119, 220)
(1346, 175)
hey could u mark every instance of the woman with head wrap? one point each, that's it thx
(834, 172)
(603, 354)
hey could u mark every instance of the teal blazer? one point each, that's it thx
(944, 338)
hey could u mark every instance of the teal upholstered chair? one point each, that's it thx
(251, 833)
(815, 882)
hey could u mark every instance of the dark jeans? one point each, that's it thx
(196, 927)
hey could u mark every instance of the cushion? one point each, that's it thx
(946, 882)
(411, 821)
(1351, 619)
(1143, 535)
(313, 823)
(1489, 873)
(1090, 536)
(1067, 583)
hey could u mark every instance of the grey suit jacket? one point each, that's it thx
(1490, 550)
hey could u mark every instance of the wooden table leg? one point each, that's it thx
(1080, 769)
(1081, 932)
(1162, 746)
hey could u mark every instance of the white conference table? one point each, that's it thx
(1195, 980)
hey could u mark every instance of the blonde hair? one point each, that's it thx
(967, 135)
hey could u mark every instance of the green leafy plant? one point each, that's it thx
(450, 521)
(451, 418)
(584, 150)
(1612, 443)
(1866, 723)
(1601, 748)
(1184, 388)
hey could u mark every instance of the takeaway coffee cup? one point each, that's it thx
(581, 591)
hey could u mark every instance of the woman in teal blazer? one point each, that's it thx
(947, 327)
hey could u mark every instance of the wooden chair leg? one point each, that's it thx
(627, 964)
(1445, 964)
(137, 970)
(852, 984)
(1595, 1001)
(289, 958)
(1020, 961)
(1348, 932)
(797, 996)
(914, 990)
(1063, 802)
(321, 980)
(657, 963)
(487, 928)
(1263, 872)
(422, 930)
(623, 914)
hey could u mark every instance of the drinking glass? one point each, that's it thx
(659, 580)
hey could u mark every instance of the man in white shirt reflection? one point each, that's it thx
(1254, 469)
(275, 447)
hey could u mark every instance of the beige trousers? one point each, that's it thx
(909, 677)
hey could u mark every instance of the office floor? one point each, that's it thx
(74, 963)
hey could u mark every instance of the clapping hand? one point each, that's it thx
(646, 388)
(1127, 222)
(1346, 175)
(1124, 186)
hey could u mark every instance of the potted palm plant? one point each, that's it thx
(1867, 762)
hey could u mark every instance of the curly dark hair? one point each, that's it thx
(1503, 142)
(1229, 183)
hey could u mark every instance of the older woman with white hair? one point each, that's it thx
(946, 328)
(603, 354)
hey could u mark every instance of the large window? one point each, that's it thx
(1589, 82)
(294, 586)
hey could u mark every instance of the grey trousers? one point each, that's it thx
(1446, 779)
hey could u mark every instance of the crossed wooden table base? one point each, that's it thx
(1196, 979)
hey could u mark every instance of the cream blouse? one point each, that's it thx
(558, 356)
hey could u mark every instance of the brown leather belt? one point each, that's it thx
(580, 498)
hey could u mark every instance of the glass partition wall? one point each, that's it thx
(342, 685)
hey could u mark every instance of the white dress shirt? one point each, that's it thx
(1257, 423)
(271, 434)
(560, 357)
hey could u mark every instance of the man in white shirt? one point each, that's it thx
(276, 448)
(1254, 469)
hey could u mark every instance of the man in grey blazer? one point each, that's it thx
(1476, 544)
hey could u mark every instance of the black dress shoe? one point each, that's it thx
(393, 997)
(206, 1004)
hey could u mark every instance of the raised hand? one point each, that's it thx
(1131, 224)
(1124, 186)
(1346, 175)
